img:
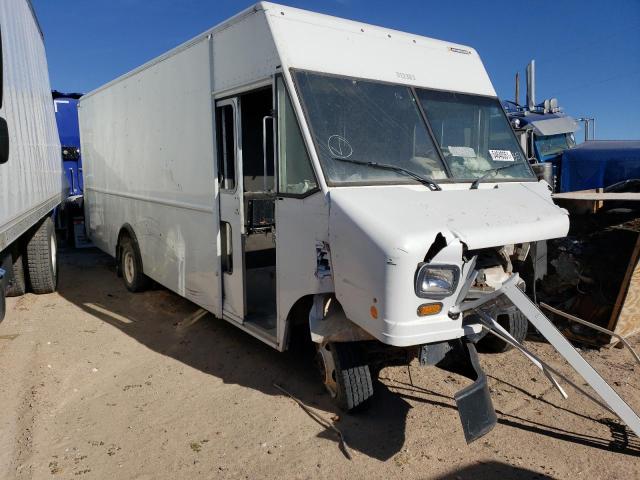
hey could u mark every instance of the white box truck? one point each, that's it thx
(289, 168)
(31, 179)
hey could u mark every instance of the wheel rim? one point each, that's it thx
(129, 267)
(54, 254)
(327, 369)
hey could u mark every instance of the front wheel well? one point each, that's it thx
(297, 324)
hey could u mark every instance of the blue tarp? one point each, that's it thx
(598, 164)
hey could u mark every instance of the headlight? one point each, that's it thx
(436, 281)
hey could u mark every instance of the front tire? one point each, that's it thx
(131, 267)
(346, 375)
(42, 258)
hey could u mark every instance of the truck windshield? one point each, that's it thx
(552, 145)
(365, 122)
(473, 134)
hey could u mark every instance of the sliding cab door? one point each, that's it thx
(231, 209)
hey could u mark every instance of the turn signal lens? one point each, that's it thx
(429, 309)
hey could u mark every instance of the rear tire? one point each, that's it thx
(346, 375)
(131, 267)
(19, 283)
(515, 323)
(42, 263)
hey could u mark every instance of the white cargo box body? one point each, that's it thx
(31, 181)
(148, 143)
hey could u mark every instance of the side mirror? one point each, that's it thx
(531, 145)
(4, 141)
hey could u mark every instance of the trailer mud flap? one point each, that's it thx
(3, 304)
(477, 415)
(5, 269)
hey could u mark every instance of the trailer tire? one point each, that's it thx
(19, 283)
(515, 323)
(131, 266)
(42, 262)
(346, 375)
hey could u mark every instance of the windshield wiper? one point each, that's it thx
(477, 181)
(429, 183)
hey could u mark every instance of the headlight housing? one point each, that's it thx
(436, 281)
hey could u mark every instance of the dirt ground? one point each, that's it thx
(97, 382)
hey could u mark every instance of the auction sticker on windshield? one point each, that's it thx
(501, 156)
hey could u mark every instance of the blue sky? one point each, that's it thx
(587, 52)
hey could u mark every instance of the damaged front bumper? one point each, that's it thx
(474, 404)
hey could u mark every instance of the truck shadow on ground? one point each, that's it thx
(622, 439)
(175, 327)
(492, 470)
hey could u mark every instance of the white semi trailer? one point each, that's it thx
(287, 167)
(31, 179)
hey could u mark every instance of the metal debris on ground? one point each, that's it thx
(325, 423)
(573, 318)
(594, 274)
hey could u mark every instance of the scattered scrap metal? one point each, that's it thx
(325, 423)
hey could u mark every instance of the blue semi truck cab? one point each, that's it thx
(70, 218)
(547, 135)
(66, 110)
